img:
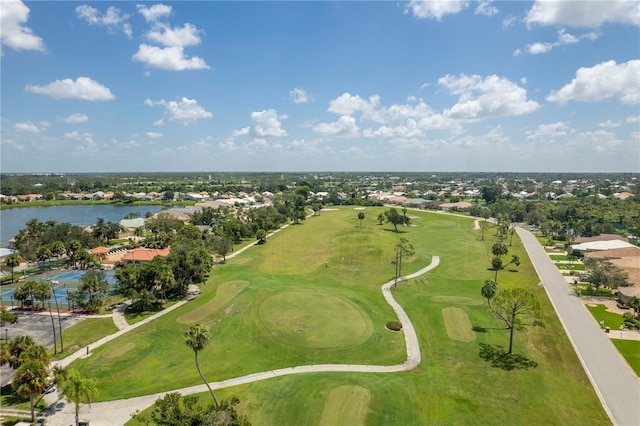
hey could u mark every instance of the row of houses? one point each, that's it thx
(619, 251)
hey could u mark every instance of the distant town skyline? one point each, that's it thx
(496, 86)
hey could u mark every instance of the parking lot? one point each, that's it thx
(38, 326)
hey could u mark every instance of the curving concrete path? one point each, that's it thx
(112, 413)
(615, 383)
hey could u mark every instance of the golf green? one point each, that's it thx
(313, 319)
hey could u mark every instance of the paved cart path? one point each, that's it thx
(112, 413)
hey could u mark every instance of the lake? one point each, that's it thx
(12, 220)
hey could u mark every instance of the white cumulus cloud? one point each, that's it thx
(188, 35)
(486, 8)
(185, 111)
(153, 135)
(564, 38)
(265, 123)
(168, 58)
(76, 118)
(113, 18)
(347, 104)
(345, 126)
(82, 88)
(151, 14)
(30, 127)
(299, 96)
(602, 81)
(13, 31)
(584, 13)
(491, 96)
(435, 9)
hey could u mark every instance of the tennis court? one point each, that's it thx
(64, 283)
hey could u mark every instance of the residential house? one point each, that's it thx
(142, 255)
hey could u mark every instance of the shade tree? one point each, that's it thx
(517, 308)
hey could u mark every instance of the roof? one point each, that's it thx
(601, 237)
(459, 204)
(602, 245)
(137, 222)
(100, 250)
(144, 254)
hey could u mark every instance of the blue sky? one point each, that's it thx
(320, 86)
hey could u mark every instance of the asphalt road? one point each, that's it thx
(615, 383)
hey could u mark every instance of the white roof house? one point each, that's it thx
(602, 245)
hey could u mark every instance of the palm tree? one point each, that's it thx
(488, 290)
(197, 338)
(76, 388)
(13, 261)
(30, 380)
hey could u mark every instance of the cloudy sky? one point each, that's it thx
(535, 86)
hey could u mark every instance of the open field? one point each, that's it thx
(263, 315)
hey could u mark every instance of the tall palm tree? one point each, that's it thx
(13, 261)
(197, 338)
(489, 290)
(76, 388)
(30, 380)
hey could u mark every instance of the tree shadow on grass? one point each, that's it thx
(399, 231)
(479, 329)
(500, 358)
(10, 397)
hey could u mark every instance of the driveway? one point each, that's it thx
(615, 383)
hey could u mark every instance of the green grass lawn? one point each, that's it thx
(612, 320)
(571, 267)
(630, 350)
(558, 257)
(278, 305)
(84, 333)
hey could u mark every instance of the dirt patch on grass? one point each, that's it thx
(226, 292)
(346, 405)
(457, 324)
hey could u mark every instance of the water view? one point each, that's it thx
(12, 220)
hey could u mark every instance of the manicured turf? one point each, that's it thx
(457, 325)
(630, 350)
(451, 385)
(227, 291)
(332, 323)
(346, 405)
(612, 320)
(84, 333)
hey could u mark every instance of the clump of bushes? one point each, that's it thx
(394, 325)
(630, 321)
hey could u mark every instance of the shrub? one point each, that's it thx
(394, 325)
(622, 306)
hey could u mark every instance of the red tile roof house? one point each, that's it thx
(142, 255)
(100, 253)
